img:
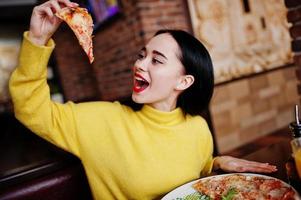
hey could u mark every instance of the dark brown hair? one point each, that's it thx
(197, 62)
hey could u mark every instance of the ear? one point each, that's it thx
(185, 82)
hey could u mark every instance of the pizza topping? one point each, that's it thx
(81, 23)
(236, 187)
(230, 194)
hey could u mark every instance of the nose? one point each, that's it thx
(141, 65)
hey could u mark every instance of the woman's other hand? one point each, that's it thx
(232, 164)
(44, 23)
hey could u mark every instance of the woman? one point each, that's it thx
(128, 154)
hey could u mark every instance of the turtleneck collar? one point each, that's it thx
(163, 117)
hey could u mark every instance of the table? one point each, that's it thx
(278, 154)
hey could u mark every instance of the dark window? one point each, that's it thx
(246, 5)
(263, 24)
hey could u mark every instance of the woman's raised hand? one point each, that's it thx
(231, 164)
(44, 23)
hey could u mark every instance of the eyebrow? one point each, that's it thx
(155, 52)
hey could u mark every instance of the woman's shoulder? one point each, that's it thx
(199, 123)
(197, 119)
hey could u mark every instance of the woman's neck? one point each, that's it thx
(164, 106)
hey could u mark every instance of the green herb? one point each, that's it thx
(205, 197)
(195, 196)
(230, 194)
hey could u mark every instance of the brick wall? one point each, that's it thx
(247, 109)
(156, 14)
(294, 17)
(75, 73)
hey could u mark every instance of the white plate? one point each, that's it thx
(187, 189)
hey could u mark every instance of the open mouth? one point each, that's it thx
(140, 83)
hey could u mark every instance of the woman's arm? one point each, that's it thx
(232, 164)
(28, 83)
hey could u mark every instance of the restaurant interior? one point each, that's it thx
(255, 47)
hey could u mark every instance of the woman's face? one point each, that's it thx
(157, 73)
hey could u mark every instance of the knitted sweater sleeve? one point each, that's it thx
(30, 94)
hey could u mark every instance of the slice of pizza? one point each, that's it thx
(237, 187)
(81, 23)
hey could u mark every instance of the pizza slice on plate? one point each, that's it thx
(81, 23)
(245, 187)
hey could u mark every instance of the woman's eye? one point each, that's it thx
(140, 56)
(155, 61)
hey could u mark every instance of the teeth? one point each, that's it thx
(139, 79)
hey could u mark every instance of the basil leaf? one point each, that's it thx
(230, 194)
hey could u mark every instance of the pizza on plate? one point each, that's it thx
(247, 187)
(81, 23)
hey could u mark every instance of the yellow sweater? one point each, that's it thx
(126, 154)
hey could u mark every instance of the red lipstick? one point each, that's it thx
(140, 83)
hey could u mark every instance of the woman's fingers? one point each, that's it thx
(44, 9)
(232, 164)
(259, 165)
(251, 166)
(255, 169)
(55, 7)
(68, 3)
(47, 11)
(43, 22)
(49, 8)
